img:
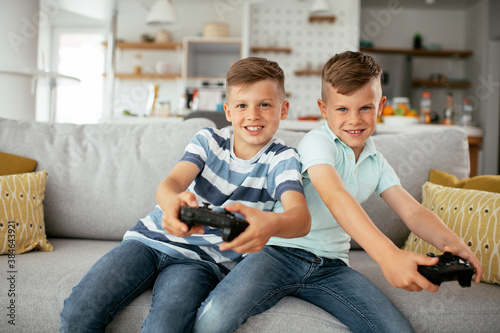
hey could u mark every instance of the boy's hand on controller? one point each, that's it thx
(256, 235)
(464, 252)
(170, 218)
(401, 270)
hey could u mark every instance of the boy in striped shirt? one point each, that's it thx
(244, 170)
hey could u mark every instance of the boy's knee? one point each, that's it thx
(76, 318)
(209, 318)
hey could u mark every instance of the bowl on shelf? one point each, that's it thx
(399, 120)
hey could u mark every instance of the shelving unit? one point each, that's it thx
(303, 72)
(321, 18)
(133, 76)
(430, 83)
(277, 49)
(147, 46)
(451, 54)
(210, 58)
(420, 52)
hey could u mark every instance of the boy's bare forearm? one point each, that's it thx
(175, 183)
(293, 223)
(353, 219)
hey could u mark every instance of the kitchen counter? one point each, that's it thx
(474, 134)
(307, 125)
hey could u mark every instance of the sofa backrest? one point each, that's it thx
(103, 177)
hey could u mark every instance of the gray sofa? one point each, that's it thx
(102, 178)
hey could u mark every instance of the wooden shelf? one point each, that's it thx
(147, 46)
(256, 49)
(134, 76)
(430, 83)
(419, 52)
(302, 72)
(321, 18)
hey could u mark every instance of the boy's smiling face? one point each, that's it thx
(255, 111)
(353, 117)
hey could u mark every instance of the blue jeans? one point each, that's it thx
(179, 287)
(263, 278)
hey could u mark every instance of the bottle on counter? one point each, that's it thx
(449, 111)
(466, 117)
(425, 108)
(417, 41)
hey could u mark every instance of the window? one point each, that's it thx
(79, 54)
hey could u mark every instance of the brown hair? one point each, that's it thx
(347, 72)
(252, 69)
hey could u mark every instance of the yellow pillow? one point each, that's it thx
(488, 183)
(473, 216)
(13, 164)
(22, 226)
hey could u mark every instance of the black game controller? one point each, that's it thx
(448, 268)
(230, 225)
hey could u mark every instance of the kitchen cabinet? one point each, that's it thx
(208, 58)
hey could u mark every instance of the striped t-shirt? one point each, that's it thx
(224, 179)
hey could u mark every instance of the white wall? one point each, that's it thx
(276, 23)
(19, 31)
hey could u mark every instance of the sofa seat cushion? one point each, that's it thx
(45, 279)
(451, 309)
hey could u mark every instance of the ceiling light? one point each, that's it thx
(320, 7)
(162, 12)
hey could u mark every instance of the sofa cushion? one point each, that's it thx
(103, 177)
(490, 183)
(451, 309)
(22, 228)
(473, 216)
(12, 164)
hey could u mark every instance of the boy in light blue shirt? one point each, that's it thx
(341, 168)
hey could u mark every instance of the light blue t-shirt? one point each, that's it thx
(371, 173)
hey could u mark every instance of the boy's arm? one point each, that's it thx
(399, 267)
(429, 226)
(171, 196)
(295, 221)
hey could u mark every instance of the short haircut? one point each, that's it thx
(253, 69)
(347, 72)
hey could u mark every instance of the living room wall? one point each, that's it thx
(18, 59)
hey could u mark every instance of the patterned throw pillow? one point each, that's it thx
(473, 215)
(22, 227)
